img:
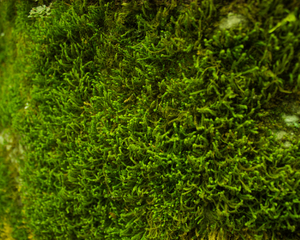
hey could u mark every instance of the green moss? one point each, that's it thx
(149, 120)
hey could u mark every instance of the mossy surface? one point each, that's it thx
(154, 119)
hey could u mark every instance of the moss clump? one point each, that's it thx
(147, 120)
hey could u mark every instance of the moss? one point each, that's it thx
(147, 120)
